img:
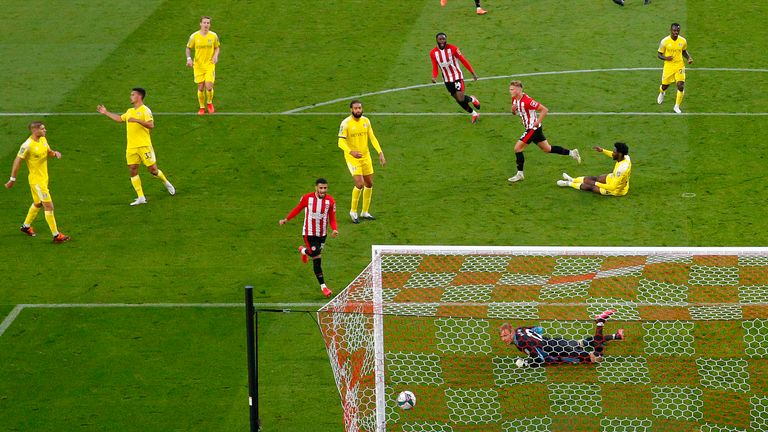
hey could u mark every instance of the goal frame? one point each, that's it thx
(378, 250)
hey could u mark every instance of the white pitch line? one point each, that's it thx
(10, 318)
(422, 114)
(18, 308)
(298, 111)
(566, 72)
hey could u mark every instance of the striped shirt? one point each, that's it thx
(447, 62)
(526, 109)
(318, 213)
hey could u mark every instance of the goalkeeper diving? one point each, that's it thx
(543, 350)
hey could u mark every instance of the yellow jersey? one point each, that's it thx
(35, 153)
(204, 47)
(674, 48)
(354, 134)
(138, 135)
(619, 178)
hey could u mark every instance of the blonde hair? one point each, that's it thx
(516, 83)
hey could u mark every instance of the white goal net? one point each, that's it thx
(694, 353)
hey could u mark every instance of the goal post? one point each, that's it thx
(427, 318)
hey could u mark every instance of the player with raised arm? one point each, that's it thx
(615, 183)
(672, 49)
(319, 212)
(138, 122)
(543, 350)
(532, 113)
(35, 152)
(207, 47)
(445, 59)
(354, 133)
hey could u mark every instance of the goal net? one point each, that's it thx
(694, 356)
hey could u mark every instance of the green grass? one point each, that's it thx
(238, 175)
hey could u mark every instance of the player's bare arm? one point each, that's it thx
(663, 57)
(102, 109)
(688, 56)
(189, 56)
(14, 170)
(542, 113)
(382, 159)
(598, 149)
(147, 124)
(355, 154)
(54, 153)
(215, 58)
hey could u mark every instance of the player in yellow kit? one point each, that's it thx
(138, 121)
(206, 45)
(354, 133)
(35, 151)
(672, 49)
(614, 184)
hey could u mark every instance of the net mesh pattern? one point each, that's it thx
(694, 356)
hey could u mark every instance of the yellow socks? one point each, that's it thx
(136, 182)
(367, 193)
(210, 96)
(201, 98)
(51, 222)
(576, 183)
(31, 215)
(355, 198)
(679, 97)
(161, 176)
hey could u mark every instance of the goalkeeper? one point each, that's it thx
(543, 350)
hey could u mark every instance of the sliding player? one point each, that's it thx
(612, 184)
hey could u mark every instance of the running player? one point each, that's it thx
(527, 108)
(319, 211)
(445, 58)
(672, 49)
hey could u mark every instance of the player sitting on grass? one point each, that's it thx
(543, 350)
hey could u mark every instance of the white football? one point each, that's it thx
(406, 400)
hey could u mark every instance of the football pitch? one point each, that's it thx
(92, 360)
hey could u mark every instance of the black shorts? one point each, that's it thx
(533, 135)
(314, 245)
(455, 86)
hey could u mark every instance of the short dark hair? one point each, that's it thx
(140, 91)
(441, 33)
(35, 125)
(355, 101)
(674, 25)
(321, 181)
(621, 148)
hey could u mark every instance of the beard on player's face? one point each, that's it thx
(357, 114)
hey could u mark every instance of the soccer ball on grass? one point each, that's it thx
(406, 400)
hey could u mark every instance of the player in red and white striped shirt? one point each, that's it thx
(319, 211)
(445, 58)
(532, 113)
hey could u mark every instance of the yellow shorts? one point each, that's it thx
(137, 155)
(362, 166)
(672, 75)
(205, 74)
(40, 193)
(610, 190)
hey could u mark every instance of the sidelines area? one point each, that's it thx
(6, 323)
